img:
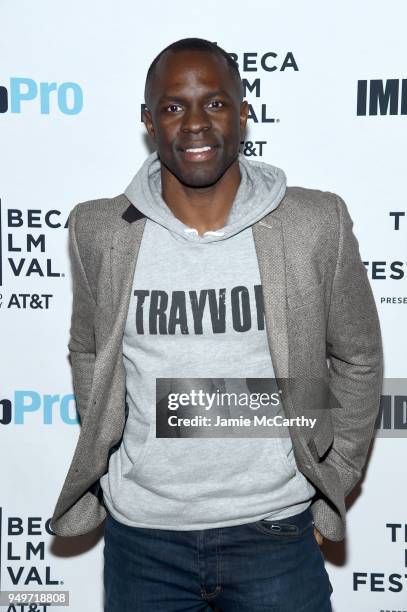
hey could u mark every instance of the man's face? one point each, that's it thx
(195, 102)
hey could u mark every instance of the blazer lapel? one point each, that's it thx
(268, 240)
(124, 251)
(269, 244)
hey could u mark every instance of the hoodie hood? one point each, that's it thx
(261, 189)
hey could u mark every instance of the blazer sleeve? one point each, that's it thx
(81, 343)
(354, 349)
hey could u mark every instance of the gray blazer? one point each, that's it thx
(322, 326)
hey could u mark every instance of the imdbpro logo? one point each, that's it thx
(66, 97)
(28, 405)
(382, 97)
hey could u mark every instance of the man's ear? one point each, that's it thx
(244, 112)
(148, 122)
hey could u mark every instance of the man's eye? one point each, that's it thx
(172, 106)
(217, 102)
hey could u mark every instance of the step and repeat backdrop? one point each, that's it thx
(327, 87)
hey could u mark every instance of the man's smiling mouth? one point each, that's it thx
(198, 149)
(201, 153)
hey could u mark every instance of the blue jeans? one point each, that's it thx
(266, 565)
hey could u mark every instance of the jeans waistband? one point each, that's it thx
(301, 520)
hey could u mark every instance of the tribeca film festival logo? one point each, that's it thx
(379, 270)
(30, 407)
(259, 112)
(379, 97)
(23, 254)
(380, 582)
(23, 93)
(24, 567)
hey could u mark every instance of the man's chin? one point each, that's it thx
(201, 175)
(196, 175)
(198, 182)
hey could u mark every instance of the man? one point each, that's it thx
(210, 267)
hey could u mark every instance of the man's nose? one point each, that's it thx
(195, 120)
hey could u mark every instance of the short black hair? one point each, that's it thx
(194, 44)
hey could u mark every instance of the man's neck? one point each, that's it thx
(202, 208)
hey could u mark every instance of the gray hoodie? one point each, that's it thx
(196, 312)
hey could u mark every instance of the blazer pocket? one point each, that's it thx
(309, 296)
